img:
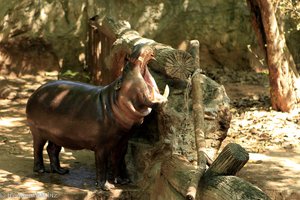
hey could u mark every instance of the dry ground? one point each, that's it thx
(272, 139)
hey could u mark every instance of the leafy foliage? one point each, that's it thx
(74, 75)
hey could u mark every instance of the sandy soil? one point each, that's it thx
(272, 139)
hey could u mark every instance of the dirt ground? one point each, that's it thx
(272, 139)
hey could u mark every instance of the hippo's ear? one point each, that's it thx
(127, 58)
(126, 67)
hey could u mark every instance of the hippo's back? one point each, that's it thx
(66, 110)
(63, 97)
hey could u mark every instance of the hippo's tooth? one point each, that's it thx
(166, 92)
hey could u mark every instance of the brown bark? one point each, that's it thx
(283, 75)
(198, 110)
(99, 44)
(198, 115)
(229, 162)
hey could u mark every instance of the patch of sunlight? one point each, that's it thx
(26, 148)
(183, 45)
(117, 193)
(67, 155)
(277, 184)
(285, 131)
(11, 122)
(144, 41)
(6, 21)
(58, 188)
(43, 15)
(244, 122)
(296, 111)
(33, 185)
(81, 57)
(3, 175)
(258, 156)
(291, 164)
(185, 4)
(5, 58)
(79, 24)
(150, 17)
(259, 114)
(288, 163)
(61, 62)
(6, 190)
(31, 17)
(26, 157)
(16, 178)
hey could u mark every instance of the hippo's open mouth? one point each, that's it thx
(155, 96)
(140, 56)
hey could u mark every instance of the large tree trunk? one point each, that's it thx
(283, 75)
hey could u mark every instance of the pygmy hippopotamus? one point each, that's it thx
(77, 116)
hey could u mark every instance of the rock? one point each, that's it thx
(27, 56)
(222, 27)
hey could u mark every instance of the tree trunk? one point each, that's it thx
(283, 75)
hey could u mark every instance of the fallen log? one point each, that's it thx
(171, 62)
(219, 181)
(229, 162)
(230, 188)
(182, 175)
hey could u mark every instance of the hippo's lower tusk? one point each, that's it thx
(166, 92)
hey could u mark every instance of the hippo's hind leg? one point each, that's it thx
(53, 152)
(38, 146)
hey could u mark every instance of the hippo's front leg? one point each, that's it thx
(101, 158)
(119, 168)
